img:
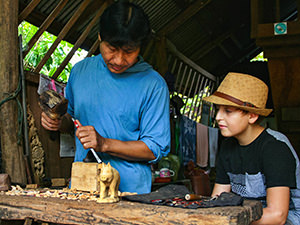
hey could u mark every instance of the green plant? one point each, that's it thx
(40, 48)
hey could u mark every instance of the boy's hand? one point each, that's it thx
(50, 124)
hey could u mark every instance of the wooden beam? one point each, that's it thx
(29, 8)
(79, 41)
(192, 64)
(45, 25)
(149, 49)
(161, 51)
(184, 16)
(12, 153)
(62, 34)
(93, 48)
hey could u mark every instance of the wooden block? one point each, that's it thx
(32, 186)
(58, 182)
(84, 176)
(5, 182)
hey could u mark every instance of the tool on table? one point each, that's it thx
(92, 150)
(193, 197)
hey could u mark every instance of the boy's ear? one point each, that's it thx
(253, 117)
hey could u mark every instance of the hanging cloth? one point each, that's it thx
(213, 135)
(187, 140)
(202, 145)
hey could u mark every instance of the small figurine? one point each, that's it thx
(109, 184)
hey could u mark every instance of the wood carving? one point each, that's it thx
(37, 151)
(109, 184)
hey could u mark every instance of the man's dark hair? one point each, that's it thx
(124, 24)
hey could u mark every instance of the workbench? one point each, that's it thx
(64, 211)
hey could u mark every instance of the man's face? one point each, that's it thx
(118, 59)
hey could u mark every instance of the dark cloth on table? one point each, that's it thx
(173, 195)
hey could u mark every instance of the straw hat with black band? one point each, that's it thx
(242, 91)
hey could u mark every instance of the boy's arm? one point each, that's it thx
(219, 188)
(277, 208)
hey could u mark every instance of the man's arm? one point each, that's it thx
(277, 208)
(64, 124)
(129, 150)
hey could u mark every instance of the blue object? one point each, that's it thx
(130, 106)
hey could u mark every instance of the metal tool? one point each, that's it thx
(92, 150)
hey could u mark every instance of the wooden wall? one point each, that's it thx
(55, 166)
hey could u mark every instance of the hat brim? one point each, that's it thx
(221, 101)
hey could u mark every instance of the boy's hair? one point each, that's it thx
(124, 24)
(259, 119)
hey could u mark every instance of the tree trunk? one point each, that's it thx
(12, 153)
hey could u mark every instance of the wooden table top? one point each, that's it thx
(62, 211)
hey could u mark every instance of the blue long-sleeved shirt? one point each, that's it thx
(130, 106)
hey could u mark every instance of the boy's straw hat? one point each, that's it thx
(242, 91)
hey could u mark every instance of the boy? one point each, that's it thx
(255, 162)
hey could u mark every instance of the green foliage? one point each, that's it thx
(41, 47)
(259, 57)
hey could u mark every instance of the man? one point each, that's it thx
(120, 102)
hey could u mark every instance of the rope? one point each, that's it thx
(13, 96)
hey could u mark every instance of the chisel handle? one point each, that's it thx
(193, 197)
(92, 150)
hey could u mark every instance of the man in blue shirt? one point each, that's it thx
(120, 102)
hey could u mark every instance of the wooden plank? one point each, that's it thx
(12, 153)
(28, 221)
(55, 166)
(79, 41)
(61, 211)
(45, 25)
(29, 8)
(58, 182)
(61, 35)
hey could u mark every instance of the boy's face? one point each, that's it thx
(118, 59)
(232, 121)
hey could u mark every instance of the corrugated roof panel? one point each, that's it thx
(160, 12)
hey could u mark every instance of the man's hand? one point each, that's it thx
(50, 124)
(89, 137)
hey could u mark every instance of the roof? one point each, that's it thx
(214, 34)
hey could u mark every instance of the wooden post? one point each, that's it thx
(283, 53)
(12, 153)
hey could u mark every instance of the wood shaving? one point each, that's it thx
(64, 193)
